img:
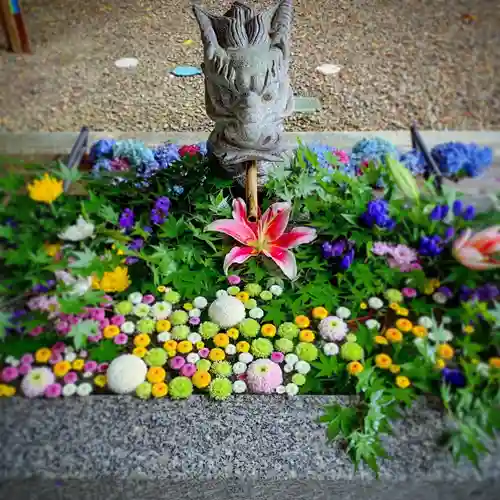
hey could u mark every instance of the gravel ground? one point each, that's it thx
(402, 60)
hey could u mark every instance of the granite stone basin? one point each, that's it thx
(107, 447)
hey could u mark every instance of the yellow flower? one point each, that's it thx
(200, 345)
(142, 340)
(402, 382)
(475, 361)
(306, 336)
(393, 335)
(156, 374)
(383, 361)
(201, 379)
(268, 330)
(435, 283)
(395, 369)
(78, 364)
(113, 281)
(363, 305)
(110, 331)
(216, 354)
(159, 390)
(440, 364)
(233, 333)
(445, 351)
(163, 325)
(428, 290)
(52, 249)
(419, 331)
(319, 313)
(355, 367)
(45, 190)
(184, 346)
(7, 391)
(140, 352)
(43, 355)
(243, 296)
(404, 325)
(394, 306)
(161, 289)
(221, 340)
(302, 321)
(402, 311)
(242, 346)
(188, 306)
(118, 252)
(170, 345)
(100, 381)
(494, 362)
(171, 353)
(469, 329)
(61, 368)
(381, 340)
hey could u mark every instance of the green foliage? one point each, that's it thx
(105, 351)
(81, 331)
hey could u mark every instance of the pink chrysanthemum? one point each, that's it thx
(263, 376)
(9, 373)
(188, 370)
(118, 320)
(70, 378)
(121, 339)
(233, 279)
(53, 391)
(148, 299)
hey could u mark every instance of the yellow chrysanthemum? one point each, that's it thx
(381, 340)
(184, 346)
(43, 355)
(61, 368)
(268, 330)
(242, 346)
(140, 352)
(440, 364)
(243, 296)
(469, 329)
(405, 325)
(494, 362)
(142, 340)
(395, 369)
(201, 379)
(402, 382)
(393, 335)
(383, 361)
(188, 306)
(355, 367)
(363, 305)
(52, 249)
(445, 351)
(113, 281)
(110, 331)
(163, 325)
(78, 365)
(161, 288)
(200, 345)
(233, 333)
(100, 381)
(394, 306)
(170, 345)
(307, 336)
(156, 374)
(402, 311)
(216, 354)
(319, 313)
(159, 390)
(221, 340)
(302, 321)
(7, 391)
(45, 190)
(419, 331)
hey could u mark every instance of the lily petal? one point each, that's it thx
(284, 259)
(462, 240)
(297, 236)
(241, 232)
(239, 210)
(274, 221)
(473, 259)
(238, 255)
(489, 233)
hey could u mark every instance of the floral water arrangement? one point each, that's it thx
(120, 286)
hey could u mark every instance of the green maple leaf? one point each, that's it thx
(83, 259)
(109, 214)
(105, 351)
(327, 366)
(172, 228)
(274, 313)
(81, 331)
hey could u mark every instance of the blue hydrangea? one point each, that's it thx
(203, 148)
(101, 149)
(414, 161)
(479, 160)
(178, 190)
(322, 151)
(373, 149)
(166, 154)
(102, 164)
(135, 152)
(450, 157)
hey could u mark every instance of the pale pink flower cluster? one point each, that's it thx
(44, 303)
(398, 256)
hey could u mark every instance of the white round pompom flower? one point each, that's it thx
(302, 367)
(331, 349)
(292, 389)
(227, 311)
(193, 358)
(125, 373)
(194, 337)
(291, 359)
(194, 313)
(164, 337)
(239, 368)
(84, 389)
(276, 290)
(288, 368)
(221, 293)
(375, 303)
(245, 357)
(230, 349)
(161, 310)
(69, 390)
(71, 356)
(135, 297)
(343, 312)
(200, 302)
(372, 324)
(333, 328)
(256, 313)
(128, 327)
(281, 389)
(239, 387)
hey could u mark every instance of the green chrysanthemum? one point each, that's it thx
(351, 351)
(179, 317)
(156, 357)
(306, 351)
(261, 348)
(124, 307)
(172, 296)
(249, 328)
(143, 390)
(253, 289)
(288, 331)
(180, 332)
(220, 388)
(146, 326)
(208, 329)
(222, 369)
(284, 345)
(180, 388)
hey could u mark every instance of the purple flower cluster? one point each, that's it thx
(439, 212)
(454, 376)
(483, 293)
(377, 214)
(455, 158)
(467, 213)
(160, 211)
(43, 288)
(126, 219)
(341, 251)
(430, 246)
(166, 154)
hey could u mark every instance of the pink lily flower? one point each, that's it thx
(480, 251)
(267, 236)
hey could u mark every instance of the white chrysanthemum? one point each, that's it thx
(221, 293)
(193, 358)
(12, 361)
(194, 337)
(439, 298)
(128, 327)
(281, 389)
(164, 337)
(200, 302)
(230, 349)
(343, 312)
(375, 303)
(87, 374)
(256, 313)
(245, 357)
(125, 373)
(78, 285)
(71, 356)
(372, 324)
(288, 368)
(426, 322)
(226, 311)
(161, 310)
(331, 349)
(291, 359)
(333, 329)
(239, 387)
(135, 297)
(69, 390)
(292, 389)
(239, 368)
(302, 367)
(84, 389)
(194, 313)
(79, 231)
(276, 290)
(69, 348)
(141, 310)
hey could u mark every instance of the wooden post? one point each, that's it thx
(11, 17)
(251, 191)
